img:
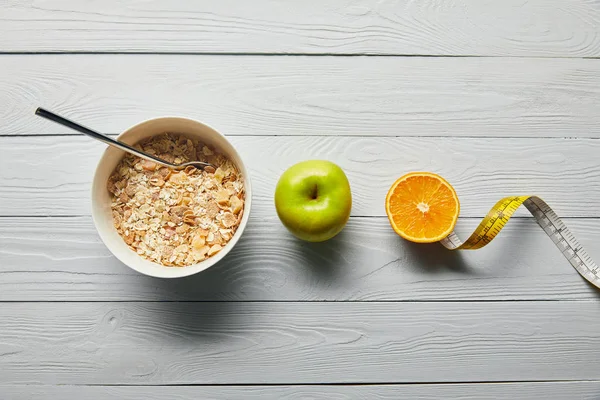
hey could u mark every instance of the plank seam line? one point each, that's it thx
(541, 301)
(282, 54)
(505, 382)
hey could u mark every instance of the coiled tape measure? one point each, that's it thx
(499, 215)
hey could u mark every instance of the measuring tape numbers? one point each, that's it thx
(499, 215)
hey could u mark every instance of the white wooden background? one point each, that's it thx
(499, 96)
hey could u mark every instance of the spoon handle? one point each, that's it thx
(98, 136)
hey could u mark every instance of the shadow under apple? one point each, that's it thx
(326, 260)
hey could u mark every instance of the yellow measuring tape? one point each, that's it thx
(499, 215)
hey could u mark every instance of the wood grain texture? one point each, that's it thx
(62, 259)
(277, 343)
(357, 96)
(52, 175)
(298, 318)
(556, 28)
(582, 390)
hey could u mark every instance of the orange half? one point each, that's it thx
(422, 207)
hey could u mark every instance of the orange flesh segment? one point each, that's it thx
(422, 207)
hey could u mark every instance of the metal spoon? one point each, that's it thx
(112, 142)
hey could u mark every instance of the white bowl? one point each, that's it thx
(101, 198)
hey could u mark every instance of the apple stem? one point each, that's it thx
(314, 193)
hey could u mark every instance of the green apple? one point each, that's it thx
(313, 200)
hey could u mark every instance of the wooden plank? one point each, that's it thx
(583, 390)
(62, 259)
(547, 28)
(358, 96)
(283, 343)
(52, 175)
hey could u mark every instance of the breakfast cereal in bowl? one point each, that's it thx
(176, 218)
(165, 222)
